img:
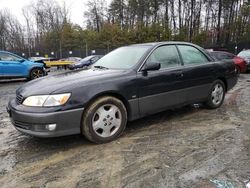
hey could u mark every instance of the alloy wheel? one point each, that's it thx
(217, 94)
(37, 73)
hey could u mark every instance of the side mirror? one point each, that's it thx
(151, 67)
(21, 60)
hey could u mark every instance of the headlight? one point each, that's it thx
(47, 100)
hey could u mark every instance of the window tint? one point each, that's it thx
(222, 55)
(225, 56)
(167, 56)
(8, 57)
(191, 55)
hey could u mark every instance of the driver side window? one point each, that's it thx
(167, 56)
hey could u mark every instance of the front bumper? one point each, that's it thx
(67, 122)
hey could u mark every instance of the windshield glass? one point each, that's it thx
(244, 54)
(87, 58)
(122, 58)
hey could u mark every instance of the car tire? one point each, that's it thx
(36, 73)
(216, 95)
(104, 120)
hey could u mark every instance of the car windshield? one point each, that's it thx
(122, 58)
(244, 54)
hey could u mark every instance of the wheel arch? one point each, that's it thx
(224, 81)
(111, 94)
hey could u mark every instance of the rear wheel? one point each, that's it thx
(104, 120)
(36, 73)
(216, 96)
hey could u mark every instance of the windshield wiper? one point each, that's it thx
(100, 67)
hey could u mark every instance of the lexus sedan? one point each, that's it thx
(87, 61)
(14, 66)
(240, 63)
(128, 83)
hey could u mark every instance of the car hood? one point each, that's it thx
(51, 84)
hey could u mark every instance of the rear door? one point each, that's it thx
(160, 89)
(199, 72)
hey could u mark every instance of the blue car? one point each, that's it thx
(13, 66)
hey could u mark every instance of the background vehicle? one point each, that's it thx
(89, 60)
(13, 66)
(36, 59)
(72, 59)
(240, 63)
(42, 60)
(128, 83)
(245, 54)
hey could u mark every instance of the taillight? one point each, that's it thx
(238, 60)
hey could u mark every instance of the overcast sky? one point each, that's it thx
(77, 8)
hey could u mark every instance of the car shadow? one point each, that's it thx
(7, 81)
(28, 148)
(161, 117)
(65, 142)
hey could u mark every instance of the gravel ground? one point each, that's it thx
(186, 147)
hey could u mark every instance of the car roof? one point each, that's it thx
(11, 53)
(162, 43)
(2, 51)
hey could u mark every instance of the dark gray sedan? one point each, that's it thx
(128, 83)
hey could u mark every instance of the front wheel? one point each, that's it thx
(104, 120)
(36, 73)
(216, 95)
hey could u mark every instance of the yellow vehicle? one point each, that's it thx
(58, 63)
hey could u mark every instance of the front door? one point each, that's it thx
(11, 66)
(161, 89)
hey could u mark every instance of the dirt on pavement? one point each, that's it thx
(186, 147)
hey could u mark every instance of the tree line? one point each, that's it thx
(48, 26)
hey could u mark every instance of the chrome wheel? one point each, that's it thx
(217, 94)
(37, 73)
(107, 120)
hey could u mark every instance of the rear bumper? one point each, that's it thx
(231, 82)
(67, 122)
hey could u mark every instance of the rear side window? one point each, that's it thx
(191, 55)
(222, 56)
(167, 56)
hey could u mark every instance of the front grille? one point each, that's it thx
(19, 99)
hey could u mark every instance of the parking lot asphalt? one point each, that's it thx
(187, 147)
